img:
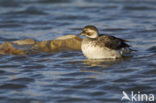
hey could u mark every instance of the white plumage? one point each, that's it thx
(97, 52)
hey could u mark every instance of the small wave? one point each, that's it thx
(10, 25)
(152, 49)
(2, 72)
(114, 29)
(23, 80)
(72, 17)
(34, 66)
(53, 1)
(9, 3)
(147, 31)
(138, 8)
(28, 11)
(12, 86)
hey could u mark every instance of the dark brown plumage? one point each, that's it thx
(112, 42)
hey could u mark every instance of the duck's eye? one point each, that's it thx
(84, 32)
(89, 34)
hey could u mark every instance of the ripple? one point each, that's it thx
(72, 17)
(151, 72)
(22, 80)
(23, 100)
(9, 25)
(53, 1)
(152, 49)
(33, 11)
(148, 31)
(8, 66)
(138, 8)
(2, 71)
(28, 11)
(78, 29)
(34, 66)
(124, 80)
(18, 58)
(138, 88)
(75, 74)
(73, 99)
(12, 86)
(114, 29)
(11, 3)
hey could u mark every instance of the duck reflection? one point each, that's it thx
(105, 62)
(96, 67)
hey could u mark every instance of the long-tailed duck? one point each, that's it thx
(96, 46)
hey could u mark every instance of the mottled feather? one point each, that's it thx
(111, 42)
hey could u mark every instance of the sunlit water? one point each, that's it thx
(68, 77)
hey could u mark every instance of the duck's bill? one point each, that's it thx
(81, 34)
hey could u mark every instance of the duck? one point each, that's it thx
(102, 46)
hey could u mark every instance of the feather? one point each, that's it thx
(112, 42)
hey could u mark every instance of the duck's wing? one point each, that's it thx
(112, 42)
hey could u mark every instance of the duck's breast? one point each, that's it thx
(92, 51)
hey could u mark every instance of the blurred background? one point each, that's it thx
(67, 77)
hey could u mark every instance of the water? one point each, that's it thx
(68, 77)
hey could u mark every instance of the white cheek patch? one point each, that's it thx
(93, 33)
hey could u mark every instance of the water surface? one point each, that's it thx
(68, 77)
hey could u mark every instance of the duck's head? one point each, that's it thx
(89, 31)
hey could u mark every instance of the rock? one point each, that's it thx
(24, 42)
(7, 48)
(68, 42)
(67, 37)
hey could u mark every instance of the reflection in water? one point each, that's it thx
(105, 62)
(96, 67)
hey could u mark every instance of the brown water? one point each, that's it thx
(68, 77)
